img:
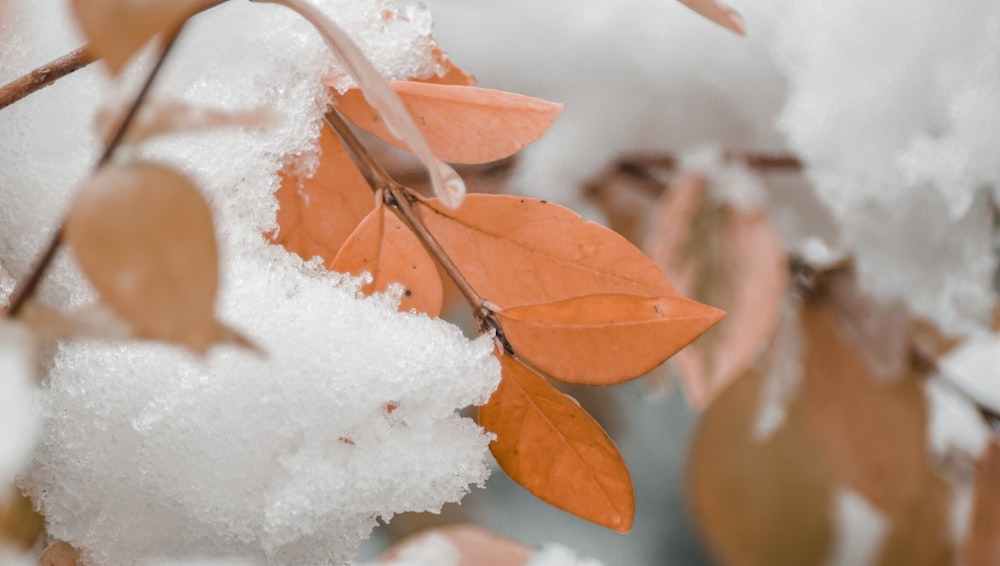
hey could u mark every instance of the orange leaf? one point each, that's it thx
(385, 247)
(982, 547)
(874, 433)
(317, 214)
(20, 524)
(59, 553)
(604, 339)
(475, 546)
(725, 257)
(143, 235)
(518, 251)
(718, 13)
(117, 29)
(759, 502)
(462, 124)
(558, 452)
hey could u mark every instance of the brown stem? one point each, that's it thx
(402, 200)
(45, 75)
(26, 290)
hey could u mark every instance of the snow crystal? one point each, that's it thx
(289, 458)
(17, 399)
(553, 554)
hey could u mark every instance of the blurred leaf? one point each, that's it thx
(317, 213)
(604, 339)
(143, 235)
(759, 502)
(59, 553)
(462, 124)
(718, 13)
(554, 449)
(475, 546)
(385, 247)
(20, 524)
(518, 251)
(921, 532)
(730, 259)
(117, 29)
(982, 546)
(872, 432)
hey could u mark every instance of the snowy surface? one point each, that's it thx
(557, 555)
(149, 453)
(17, 399)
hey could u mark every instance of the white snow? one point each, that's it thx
(17, 399)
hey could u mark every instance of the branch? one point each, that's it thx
(26, 290)
(45, 75)
(402, 199)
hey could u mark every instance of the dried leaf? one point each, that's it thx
(462, 124)
(317, 214)
(982, 546)
(59, 553)
(117, 29)
(555, 450)
(162, 117)
(604, 339)
(718, 13)
(447, 184)
(921, 532)
(143, 235)
(518, 251)
(385, 247)
(20, 524)
(475, 546)
(759, 503)
(728, 258)
(872, 432)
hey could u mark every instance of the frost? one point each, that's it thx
(17, 399)
(557, 555)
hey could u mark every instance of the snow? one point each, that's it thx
(17, 399)
(860, 529)
(553, 554)
(287, 458)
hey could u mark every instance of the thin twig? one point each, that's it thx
(402, 201)
(45, 75)
(27, 289)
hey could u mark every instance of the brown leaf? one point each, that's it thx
(90, 321)
(462, 124)
(143, 235)
(385, 247)
(59, 553)
(518, 251)
(982, 546)
(921, 531)
(718, 13)
(20, 524)
(759, 502)
(117, 29)
(316, 214)
(728, 258)
(604, 339)
(554, 449)
(475, 546)
(873, 432)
